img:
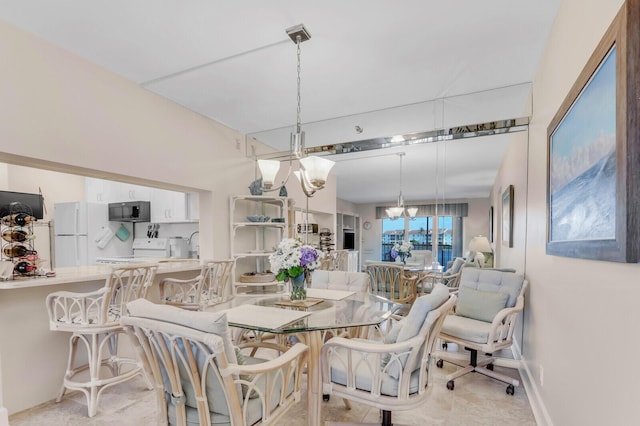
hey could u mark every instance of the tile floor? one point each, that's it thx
(476, 400)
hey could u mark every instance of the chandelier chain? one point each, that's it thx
(298, 121)
(401, 155)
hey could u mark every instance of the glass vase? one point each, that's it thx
(403, 258)
(298, 288)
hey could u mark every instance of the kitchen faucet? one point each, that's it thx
(197, 250)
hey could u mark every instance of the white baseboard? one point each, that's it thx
(4, 417)
(535, 399)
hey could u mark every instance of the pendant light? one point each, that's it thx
(314, 171)
(398, 211)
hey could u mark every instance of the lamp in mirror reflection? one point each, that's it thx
(314, 171)
(399, 210)
(480, 245)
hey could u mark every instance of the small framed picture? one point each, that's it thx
(507, 216)
(491, 226)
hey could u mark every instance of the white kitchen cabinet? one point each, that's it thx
(168, 206)
(251, 243)
(107, 191)
(96, 190)
(193, 206)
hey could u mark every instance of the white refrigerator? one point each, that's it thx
(83, 233)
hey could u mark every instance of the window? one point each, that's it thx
(420, 233)
(392, 231)
(445, 239)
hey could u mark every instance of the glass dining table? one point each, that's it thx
(324, 310)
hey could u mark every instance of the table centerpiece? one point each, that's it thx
(401, 250)
(293, 261)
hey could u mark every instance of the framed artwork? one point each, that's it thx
(507, 216)
(491, 224)
(593, 153)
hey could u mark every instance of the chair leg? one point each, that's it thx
(95, 344)
(73, 346)
(386, 418)
(94, 373)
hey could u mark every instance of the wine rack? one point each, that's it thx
(16, 229)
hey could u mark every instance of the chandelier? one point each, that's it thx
(399, 210)
(314, 171)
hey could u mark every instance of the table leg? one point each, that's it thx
(314, 384)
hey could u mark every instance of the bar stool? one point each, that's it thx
(217, 286)
(93, 318)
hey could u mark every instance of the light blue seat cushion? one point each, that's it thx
(455, 266)
(466, 329)
(493, 280)
(480, 305)
(254, 410)
(364, 367)
(411, 325)
(208, 322)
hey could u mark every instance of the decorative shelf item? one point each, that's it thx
(16, 228)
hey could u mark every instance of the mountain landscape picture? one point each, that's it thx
(582, 169)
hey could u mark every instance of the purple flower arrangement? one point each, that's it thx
(292, 259)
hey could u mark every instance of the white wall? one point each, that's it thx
(582, 315)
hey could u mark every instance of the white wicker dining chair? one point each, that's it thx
(93, 319)
(392, 374)
(199, 377)
(389, 280)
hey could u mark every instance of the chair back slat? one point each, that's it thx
(390, 281)
(217, 286)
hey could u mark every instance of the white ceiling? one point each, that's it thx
(389, 67)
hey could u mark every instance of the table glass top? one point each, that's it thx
(358, 309)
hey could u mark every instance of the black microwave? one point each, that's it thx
(130, 211)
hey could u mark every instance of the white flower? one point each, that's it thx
(291, 258)
(403, 247)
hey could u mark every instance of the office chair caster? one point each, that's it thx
(439, 363)
(511, 390)
(450, 385)
(325, 398)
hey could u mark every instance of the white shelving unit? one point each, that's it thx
(253, 242)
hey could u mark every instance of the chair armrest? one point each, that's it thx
(381, 358)
(504, 313)
(504, 322)
(296, 353)
(180, 281)
(371, 347)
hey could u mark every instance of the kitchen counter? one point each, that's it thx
(77, 274)
(33, 358)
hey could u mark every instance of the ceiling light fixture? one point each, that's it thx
(314, 171)
(398, 210)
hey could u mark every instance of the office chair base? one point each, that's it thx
(484, 367)
(385, 418)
